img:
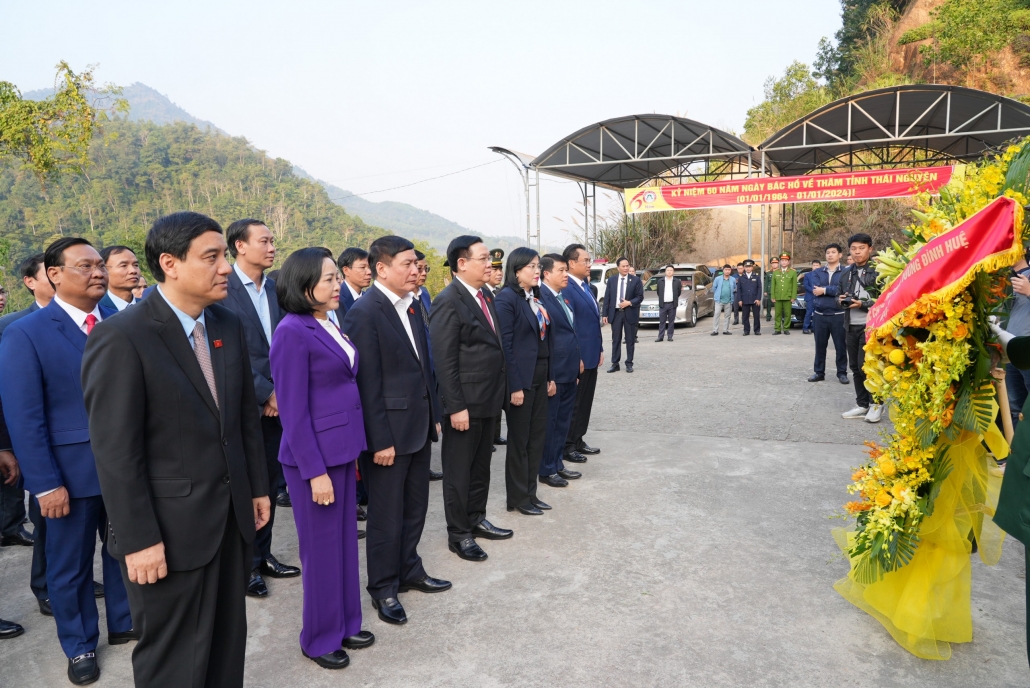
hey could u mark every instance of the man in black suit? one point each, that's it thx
(398, 398)
(466, 344)
(123, 276)
(622, 298)
(669, 290)
(252, 298)
(12, 496)
(749, 298)
(357, 276)
(9, 475)
(179, 454)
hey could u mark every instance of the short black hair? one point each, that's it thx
(621, 258)
(670, 265)
(519, 258)
(349, 255)
(109, 251)
(419, 255)
(300, 274)
(860, 238)
(54, 254)
(727, 266)
(547, 262)
(239, 231)
(834, 245)
(173, 234)
(30, 268)
(817, 261)
(460, 248)
(571, 252)
(740, 265)
(384, 249)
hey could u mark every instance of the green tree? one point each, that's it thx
(791, 96)
(968, 33)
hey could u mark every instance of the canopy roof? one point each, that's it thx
(897, 126)
(629, 151)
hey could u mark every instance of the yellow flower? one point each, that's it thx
(883, 498)
(887, 467)
(897, 357)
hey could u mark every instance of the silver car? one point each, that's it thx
(695, 300)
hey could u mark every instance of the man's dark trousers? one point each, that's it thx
(272, 434)
(748, 312)
(581, 411)
(205, 619)
(621, 324)
(559, 417)
(809, 311)
(12, 508)
(667, 320)
(825, 327)
(465, 456)
(855, 344)
(37, 580)
(736, 312)
(391, 545)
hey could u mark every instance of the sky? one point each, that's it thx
(374, 95)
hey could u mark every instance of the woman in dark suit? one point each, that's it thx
(527, 354)
(314, 369)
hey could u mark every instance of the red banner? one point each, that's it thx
(845, 186)
(985, 241)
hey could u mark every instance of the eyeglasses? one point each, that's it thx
(86, 269)
(424, 269)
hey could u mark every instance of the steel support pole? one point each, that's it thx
(528, 216)
(761, 174)
(537, 210)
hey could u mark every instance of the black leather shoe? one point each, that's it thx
(843, 379)
(44, 607)
(757, 333)
(361, 535)
(806, 331)
(816, 378)
(776, 332)
(587, 449)
(540, 505)
(9, 629)
(727, 332)
(360, 641)
(786, 332)
(336, 659)
(467, 549)
(98, 590)
(22, 537)
(256, 587)
(83, 669)
(575, 457)
(362, 514)
(123, 637)
(569, 475)
(390, 610)
(427, 584)
(530, 510)
(715, 334)
(670, 339)
(614, 369)
(629, 367)
(271, 567)
(283, 499)
(747, 334)
(554, 480)
(500, 440)
(435, 475)
(488, 531)
(659, 340)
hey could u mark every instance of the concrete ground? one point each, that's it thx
(695, 551)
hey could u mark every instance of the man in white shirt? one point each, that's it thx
(669, 290)
(357, 276)
(123, 276)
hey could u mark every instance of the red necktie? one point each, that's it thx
(91, 321)
(486, 311)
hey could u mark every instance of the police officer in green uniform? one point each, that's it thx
(767, 303)
(783, 290)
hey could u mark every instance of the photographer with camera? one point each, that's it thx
(1017, 382)
(858, 293)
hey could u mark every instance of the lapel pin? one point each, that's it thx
(217, 343)
(412, 311)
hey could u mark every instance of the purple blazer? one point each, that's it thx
(317, 394)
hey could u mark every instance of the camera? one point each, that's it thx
(847, 300)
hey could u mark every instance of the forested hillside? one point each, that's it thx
(141, 171)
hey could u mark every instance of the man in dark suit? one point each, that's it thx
(357, 276)
(591, 349)
(179, 453)
(749, 297)
(12, 497)
(42, 358)
(424, 304)
(252, 298)
(566, 366)
(122, 277)
(466, 344)
(9, 475)
(398, 397)
(622, 298)
(669, 290)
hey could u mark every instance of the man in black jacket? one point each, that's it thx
(669, 290)
(858, 292)
(622, 298)
(828, 316)
(466, 344)
(9, 474)
(401, 413)
(749, 298)
(178, 450)
(253, 299)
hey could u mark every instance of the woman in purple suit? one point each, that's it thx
(314, 368)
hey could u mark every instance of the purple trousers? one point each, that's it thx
(328, 538)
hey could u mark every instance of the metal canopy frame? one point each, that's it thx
(895, 127)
